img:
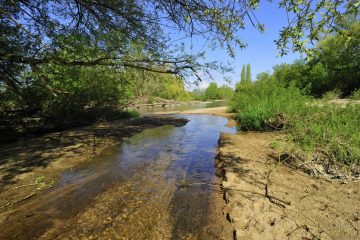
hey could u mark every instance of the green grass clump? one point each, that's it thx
(331, 95)
(331, 130)
(355, 95)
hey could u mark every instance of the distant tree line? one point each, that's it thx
(213, 92)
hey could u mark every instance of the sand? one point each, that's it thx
(268, 200)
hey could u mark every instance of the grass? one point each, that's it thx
(328, 132)
(266, 105)
(355, 95)
(331, 95)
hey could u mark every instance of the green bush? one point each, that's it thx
(212, 92)
(266, 105)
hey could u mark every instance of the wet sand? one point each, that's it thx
(218, 111)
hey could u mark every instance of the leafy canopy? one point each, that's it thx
(38, 32)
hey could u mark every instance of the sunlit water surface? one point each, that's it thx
(155, 185)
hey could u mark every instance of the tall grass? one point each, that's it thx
(331, 130)
(264, 104)
(327, 131)
(355, 95)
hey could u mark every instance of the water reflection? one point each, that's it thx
(155, 185)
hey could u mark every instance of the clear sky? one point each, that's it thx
(261, 51)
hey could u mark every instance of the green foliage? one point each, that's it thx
(329, 131)
(331, 95)
(262, 105)
(118, 36)
(355, 95)
(171, 87)
(326, 131)
(212, 92)
(198, 94)
(225, 92)
(334, 65)
(248, 73)
(243, 74)
(276, 144)
(305, 27)
(78, 61)
(263, 76)
(151, 85)
(340, 56)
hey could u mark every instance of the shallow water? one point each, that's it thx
(158, 184)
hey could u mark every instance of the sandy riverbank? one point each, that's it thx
(267, 200)
(218, 111)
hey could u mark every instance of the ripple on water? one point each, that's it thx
(156, 184)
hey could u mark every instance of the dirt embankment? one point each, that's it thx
(32, 165)
(268, 200)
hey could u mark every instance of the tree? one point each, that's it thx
(212, 91)
(36, 33)
(248, 73)
(225, 92)
(198, 94)
(339, 55)
(243, 74)
(334, 64)
(263, 76)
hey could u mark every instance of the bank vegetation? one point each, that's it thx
(301, 100)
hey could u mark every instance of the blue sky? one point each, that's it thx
(261, 51)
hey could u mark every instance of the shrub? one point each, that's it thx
(334, 94)
(355, 95)
(266, 105)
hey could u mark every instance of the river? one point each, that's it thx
(158, 184)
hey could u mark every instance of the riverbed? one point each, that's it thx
(160, 183)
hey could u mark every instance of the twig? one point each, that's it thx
(24, 198)
(26, 185)
(268, 196)
(19, 200)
